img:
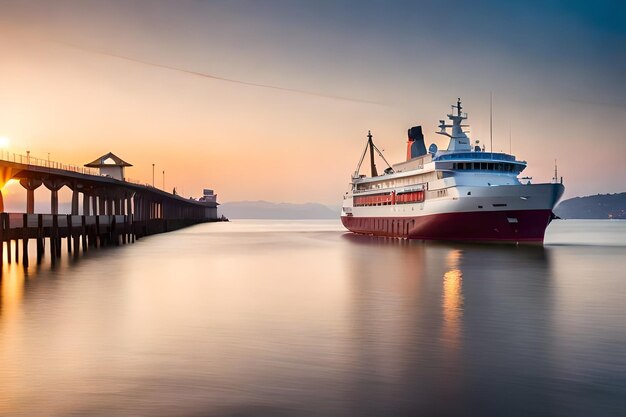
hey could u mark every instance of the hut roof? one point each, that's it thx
(108, 159)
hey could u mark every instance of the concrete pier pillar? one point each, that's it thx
(54, 201)
(69, 233)
(83, 233)
(25, 241)
(75, 201)
(30, 184)
(53, 239)
(86, 209)
(54, 185)
(30, 201)
(129, 205)
(101, 205)
(40, 238)
(136, 207)
(75, 236)
(97, 241)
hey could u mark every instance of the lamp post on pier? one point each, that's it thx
(152, 175)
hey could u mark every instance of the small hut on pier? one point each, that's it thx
(110, 165)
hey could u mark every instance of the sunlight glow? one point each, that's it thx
(6, 175)
(9, 183)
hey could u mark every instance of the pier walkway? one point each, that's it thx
(106, 207)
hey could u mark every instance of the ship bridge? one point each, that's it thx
(479, 161)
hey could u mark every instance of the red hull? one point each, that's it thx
(505, 226)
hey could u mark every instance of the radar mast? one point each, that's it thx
(459, 141)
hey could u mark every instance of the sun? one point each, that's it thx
(4, 142)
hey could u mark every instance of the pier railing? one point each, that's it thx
(45, 163)
(137, 182)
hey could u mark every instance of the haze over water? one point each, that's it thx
(270, 318)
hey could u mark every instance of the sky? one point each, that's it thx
(272, 100)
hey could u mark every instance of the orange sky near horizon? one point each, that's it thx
(254, 143)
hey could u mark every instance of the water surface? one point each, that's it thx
(270, 318)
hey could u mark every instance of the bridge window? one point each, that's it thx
(490, 166)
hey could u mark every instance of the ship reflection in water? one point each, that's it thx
(300, 319)
(452, 301)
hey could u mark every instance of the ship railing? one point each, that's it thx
(477, 155)
(397, 188)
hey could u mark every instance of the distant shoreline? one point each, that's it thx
(601, 206)
(265, 210)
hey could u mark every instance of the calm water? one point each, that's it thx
(301, 319)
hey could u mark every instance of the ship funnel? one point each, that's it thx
(415, 146)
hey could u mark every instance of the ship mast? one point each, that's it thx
(491, 121)
(371, 147)
(370, 144)
(556, 173)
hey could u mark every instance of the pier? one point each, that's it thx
(106, 207)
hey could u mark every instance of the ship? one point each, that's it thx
(462, 193)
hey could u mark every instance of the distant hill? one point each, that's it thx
(267, 210)
(601, 206)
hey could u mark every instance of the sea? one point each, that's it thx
(301, 318)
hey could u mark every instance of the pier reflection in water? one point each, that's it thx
(299, 318)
